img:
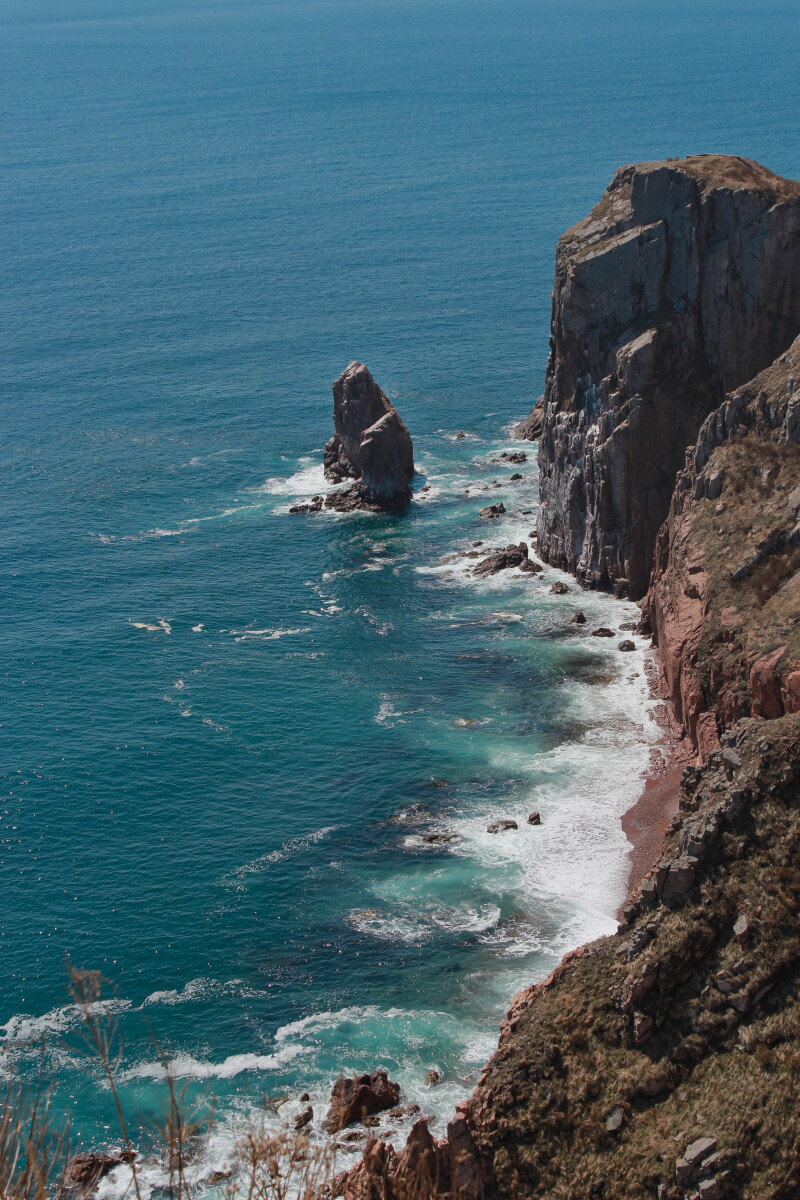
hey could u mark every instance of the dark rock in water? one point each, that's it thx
(531, 427)
(314, 506)
(602, 632)
(516, 477)
(303, 1118)
(534, 819)
(305, 1096)
(531, 567)
(460, 435)
(501, 826)
(433, 1078)
(359, 1097)
(502, 560)
(559, 588)
(627, 645)
(439, 839)
(88, 1168)
(628, 627)
(492, 510)
(371, 445)
(515, 456)
(578, 619)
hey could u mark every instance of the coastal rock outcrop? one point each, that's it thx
(371, 445)
(658, 1062)
(724, 600)
(680, 285)
(359, 1097)
(530, 428)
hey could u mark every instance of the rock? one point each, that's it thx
(530, 428)
(741, 930)
(602, 632)
(88, 1167)
(515, 478)
(693, 1155)
(534, 568)
(303, 1118)
(628, 627)
(559, 588)
(626, 645)
(649, 330)
(515, 456)
(642, 1028)
(614, 1120)
(358, 1097)
(432, 1078)
(502, 560)
(534, 819)
(492, 510)
(578, 619)
(439, 839)
(460, 435)
(370, 444)
(731, 759)
(501, 826)
(464, 1165)
(314, 506)
(305, 1096)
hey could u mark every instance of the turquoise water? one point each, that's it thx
(225, 729)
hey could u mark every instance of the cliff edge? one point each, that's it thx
(680, 285)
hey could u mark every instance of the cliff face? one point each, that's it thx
(681, 284)
(724, 598)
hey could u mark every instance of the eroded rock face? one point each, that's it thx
(359, 1097)
(681, 284)
(531, 427)
(723, 605)
(371, 445)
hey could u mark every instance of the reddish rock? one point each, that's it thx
(707, 735)
(531, 427)
(359, 1097)
(370, 444)
(765, 685)
(790, 692)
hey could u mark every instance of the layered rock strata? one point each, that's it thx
(724, 598)
(371, 445)
(680, 285)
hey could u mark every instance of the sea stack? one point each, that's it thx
(681, 284)
(371, 445)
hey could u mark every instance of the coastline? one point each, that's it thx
(646, 822)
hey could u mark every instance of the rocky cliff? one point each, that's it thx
(370, 444)
(680, 285)
(724, 598)
(661, 1062)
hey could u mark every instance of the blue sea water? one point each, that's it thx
(225, 729)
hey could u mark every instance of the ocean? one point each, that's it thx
(226, 730)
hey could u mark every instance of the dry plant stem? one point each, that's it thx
(33, 1153)
(86, 990)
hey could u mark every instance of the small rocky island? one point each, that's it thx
(371, 446)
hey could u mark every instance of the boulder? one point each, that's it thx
(559, 588)
(370, 444)
(602, 632)
(502, 560)
(578, 619)
(88, 1167)
(515, 456)
(626, 645)
(501, 826)
(303, 1118)
(492, 510)
(358, 1097)
(534, 819)
(530, 428)
(691, 1159)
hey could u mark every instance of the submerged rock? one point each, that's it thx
(371, 445)
(501, 826)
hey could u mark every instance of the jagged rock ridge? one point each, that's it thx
(724, 598)
(371, 445)
(680, 285)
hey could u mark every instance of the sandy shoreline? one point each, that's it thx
(646, 822)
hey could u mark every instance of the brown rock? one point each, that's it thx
(650, 328)
(88, 1167)
(530, 428)
(602, 632)
(578, 619)
(371, 444)
(358, 1097)
(492, 510)
(534, 819)
(559, 588)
